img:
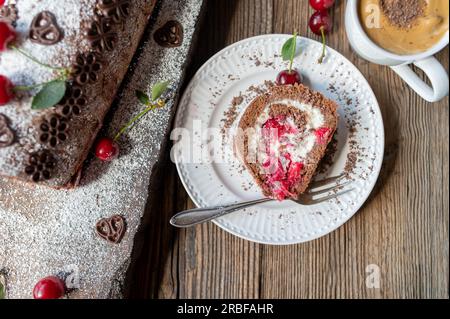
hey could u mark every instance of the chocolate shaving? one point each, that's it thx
(116, 10)
(53, 130)
(111, 229)
(40, 166)
(86, 68)
(9, 14)
(170, 35)
(45, 30)
(6, 134)
(350, 164)
(100, 35)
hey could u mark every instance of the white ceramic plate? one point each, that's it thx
(252, 62)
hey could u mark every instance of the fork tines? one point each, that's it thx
(329, 188)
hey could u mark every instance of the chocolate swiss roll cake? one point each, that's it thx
(282, 137)
(86, 45)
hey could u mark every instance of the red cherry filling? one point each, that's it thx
(275, 127)
(294, 171)
(7, 35)
(323, 135)
(281, 173)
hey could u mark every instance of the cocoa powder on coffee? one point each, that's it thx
(403, 13)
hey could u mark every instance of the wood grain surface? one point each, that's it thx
(402, 228)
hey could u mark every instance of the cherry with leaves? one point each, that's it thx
(50, 93)
(288, 52)
(107, 149)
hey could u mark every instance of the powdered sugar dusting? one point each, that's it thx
(99, 94)
(22, 71)
(44, 231)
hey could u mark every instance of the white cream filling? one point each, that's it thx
(315, 116)
(298, 145)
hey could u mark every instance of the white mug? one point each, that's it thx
(368, 50)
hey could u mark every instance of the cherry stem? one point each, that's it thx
(27, 87)
(322, 31)
(62, 77)
(293, 53)
(136, 118)
(30, 57)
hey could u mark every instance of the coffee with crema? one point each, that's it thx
(405, 26)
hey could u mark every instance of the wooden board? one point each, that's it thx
(403, 227)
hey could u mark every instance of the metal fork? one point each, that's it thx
(331, 188)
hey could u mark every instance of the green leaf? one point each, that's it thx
(159, 89)
(2, 291)
(50, 95)
(142, 97)
(289, 48)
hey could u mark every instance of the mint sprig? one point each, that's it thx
(289, 50)
(150, 104)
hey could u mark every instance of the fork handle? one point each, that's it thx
(197, 216)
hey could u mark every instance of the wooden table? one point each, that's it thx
(402, 228)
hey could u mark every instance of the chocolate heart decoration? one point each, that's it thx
(169, 35)
(111, 229)
(6, 134)
(45, 30)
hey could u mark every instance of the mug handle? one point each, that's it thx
(436, 73)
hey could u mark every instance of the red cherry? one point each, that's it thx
(2, 2)
(50, 287)
(6, 90)
(106, 149)
(7, 35)
(320, 5)
(320, 20)
(287, 77)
